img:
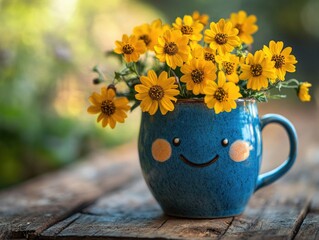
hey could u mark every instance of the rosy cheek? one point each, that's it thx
(161, 150)
(239, 151)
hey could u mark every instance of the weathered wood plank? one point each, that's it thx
(150, 226)
(60, 226)
(310, 226)
(175, 228)
(274, 213)
(309, 229)
(127, 211)
(133, 213)
(30, 208)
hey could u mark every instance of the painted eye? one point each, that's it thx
(225, 142)
(176, 141)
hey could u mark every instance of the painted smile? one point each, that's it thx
(198, 165)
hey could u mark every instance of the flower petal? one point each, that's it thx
(93, 109)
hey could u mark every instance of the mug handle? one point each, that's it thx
(271, 176)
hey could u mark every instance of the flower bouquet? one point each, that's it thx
(200, 145)
(193, 60)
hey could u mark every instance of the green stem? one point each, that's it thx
(287, 86)
(98, 71)
(135, 70)
(178, 82)
(293, 80)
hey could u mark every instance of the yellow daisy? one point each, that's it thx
(204, 53)
(222, 36)
(196, 75)
(149, 33)
(110, 108)
(192, 29)
(172, 48)
(303, 92)
(131, 47)
(221, 96)
(245, 24)
(166, 27)
(197, 52)
(258, 69)
(202, 18)
(284, 62)
(156, 92)
(228, 65)
(193, 45)
(210, 55)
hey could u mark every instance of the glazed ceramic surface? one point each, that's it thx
(199, 164)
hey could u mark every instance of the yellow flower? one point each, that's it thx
(196, 75)
(303, 92)
(193, 45)
(192, 29)
(149, 33)
(166, 27)
(172, 48)
(210, 55)
(156, 92)
(228, 65)
(131, 47)
(204, 53)
(221, 96)
(284, 62)
(197, 52)
(222, 36)
(258, 70)
(202, 18)
(110, 109)
(245, 24)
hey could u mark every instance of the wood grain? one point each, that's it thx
(276, 212)
(127, 211)
(132, 213)
(309, 229)
(284, 210)
(279, 211)
(30, 208)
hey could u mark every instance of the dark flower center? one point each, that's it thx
(170, 48)
(229, 67)
(156, 92)
(239, 27)
(108, 107)
(186, 30)
(256, 70)
(128, 49)
(279, 60)
(220, 94)
(209, 57)
(197, 76)
(147, 40)
(221, 38)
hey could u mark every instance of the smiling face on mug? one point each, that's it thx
(162, 150)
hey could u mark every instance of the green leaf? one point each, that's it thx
(117, 76)
(135, 105)
(278, 96)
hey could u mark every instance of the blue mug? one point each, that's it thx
(199, 164)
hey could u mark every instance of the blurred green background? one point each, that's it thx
(47, 51)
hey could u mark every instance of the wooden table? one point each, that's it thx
(106, 197)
